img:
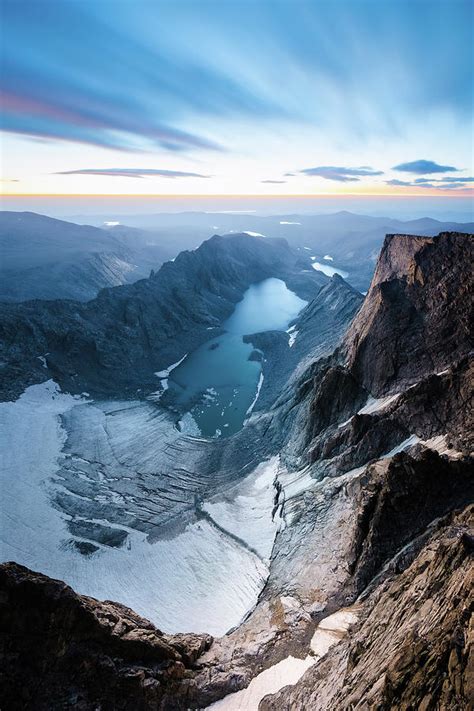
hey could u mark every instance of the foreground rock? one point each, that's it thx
(61, 650)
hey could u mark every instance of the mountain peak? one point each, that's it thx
(418, 300)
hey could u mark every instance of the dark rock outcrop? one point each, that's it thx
(60, 650)
(397, 502)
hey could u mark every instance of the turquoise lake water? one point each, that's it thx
(217, 383)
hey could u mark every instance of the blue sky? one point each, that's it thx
(237, 96)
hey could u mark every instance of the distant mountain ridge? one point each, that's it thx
(45, 258)
(353, 240)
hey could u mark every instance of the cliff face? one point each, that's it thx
(413, 645)
(417, 317)
(365, 476)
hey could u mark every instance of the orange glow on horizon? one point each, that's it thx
(466, 192)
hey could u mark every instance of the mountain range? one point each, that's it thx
(46, 258)
(338, 521)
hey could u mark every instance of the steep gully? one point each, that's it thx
(355, 507)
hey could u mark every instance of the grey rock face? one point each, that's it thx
(412, 646)
(44, 258)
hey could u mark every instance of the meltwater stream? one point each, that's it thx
(219, 381)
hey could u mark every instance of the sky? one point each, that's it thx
(237, 97)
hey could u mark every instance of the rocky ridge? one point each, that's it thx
(46, 258)
(364, 475)
(115, 343)
(413, 645)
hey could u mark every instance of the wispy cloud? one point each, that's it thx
(444, 183)
(109, 126)
(133, 173)
(273, 182)
(421, 167)
(163, 76)
(120, 90)
(401, 183)
(444, 179)
(340, 173)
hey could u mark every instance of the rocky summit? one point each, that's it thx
(344, 503)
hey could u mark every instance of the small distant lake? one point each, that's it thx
(218, 382)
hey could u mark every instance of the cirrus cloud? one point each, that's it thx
(133, 173)
(446, 183)
(341, 173)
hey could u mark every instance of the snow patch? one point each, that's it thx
(375, 405)
(253, 234)
(329, 271)
(409, 442)
(200, 580)
(331, 629)
(285, 673)
(285, 222)
(254, 401)
(289, 671)
(328, 258)
(166, 372)
(292, 338)
(188, 425)
(245, 510)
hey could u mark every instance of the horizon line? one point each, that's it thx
(237, 195)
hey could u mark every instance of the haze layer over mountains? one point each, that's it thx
(46, 258)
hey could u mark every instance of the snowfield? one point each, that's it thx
(204, 577)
